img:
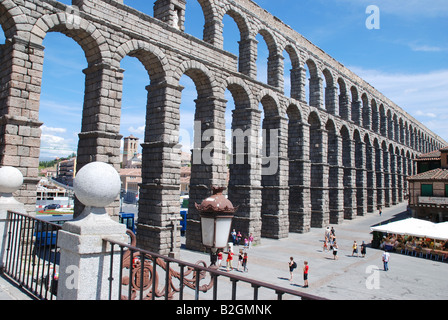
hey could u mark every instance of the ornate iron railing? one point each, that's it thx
(144, 275)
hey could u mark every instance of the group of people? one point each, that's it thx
(330, 243)
(237, 237)
(293, 265)
(242, 259)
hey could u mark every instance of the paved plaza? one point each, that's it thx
(348, 278)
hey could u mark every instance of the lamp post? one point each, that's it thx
(216, 214)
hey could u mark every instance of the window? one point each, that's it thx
(426, 190)
(446, 190)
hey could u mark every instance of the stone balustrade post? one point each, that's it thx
(84, 269)
(11, 179)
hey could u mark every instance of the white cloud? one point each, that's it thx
(138, 131)
(54, 130)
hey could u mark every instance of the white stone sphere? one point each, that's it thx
(97, 184)
(11, 179)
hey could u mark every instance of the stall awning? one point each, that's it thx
(416, 227)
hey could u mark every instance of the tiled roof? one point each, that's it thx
(429, 155)
(436, 174)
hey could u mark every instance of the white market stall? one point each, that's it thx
(415, 236)
(415, 227)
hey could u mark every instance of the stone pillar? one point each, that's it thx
(161, 163)
(22, 64)
(345, 110)
(386, 172)
(298, 83)
(274, 210)
(245, 172)
(400, 178)
(331, 99)
(371, 182)
(213, 32)
(171, 12)
(316, 99)
(208, 168)
(336, 183)
(299, 182)
(248, 57)
(100, 138)
(11, 179)
(349, 180)
(356, 112)
(379, 174)
(84, 270)
(318, 178)
(361, 178)
(393, 178)
(276, 71)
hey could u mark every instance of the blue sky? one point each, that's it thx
(406, 59)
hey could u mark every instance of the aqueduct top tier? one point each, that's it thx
(342, 152)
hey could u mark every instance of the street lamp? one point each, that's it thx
(216, 214)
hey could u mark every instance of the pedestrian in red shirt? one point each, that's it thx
(229, 260)
(305, 274)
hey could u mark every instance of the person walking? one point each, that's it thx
(292, 266)
(386, 258)
(233, 234)
(363, 249)
(245, 262)
(229, 260)
(355, 249)
(335, 251)
(240, 260)
(251, 239)
(305, 274)
(325, 245)
(219, 258)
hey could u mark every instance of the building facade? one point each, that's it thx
(428, 190)
(341, 153)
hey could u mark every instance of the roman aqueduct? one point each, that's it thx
(342, 153)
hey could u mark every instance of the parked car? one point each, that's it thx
(52, 206)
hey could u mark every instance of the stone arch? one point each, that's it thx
(152, 58)
(344, 109)
(274, 61)
(244, 42)
(366, 111)
(202, 77)
(82, 31)
(295, 73)
(270, 102)
(375, 116)
(210, 30)
(355, 106)
(12, 20)
(383, 120)
(331, 97)
(239, 18)
(315, 84)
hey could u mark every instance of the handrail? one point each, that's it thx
(201, 270)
